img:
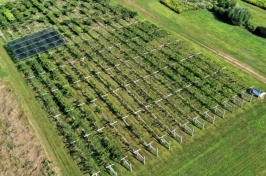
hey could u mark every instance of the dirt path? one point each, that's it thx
(224, 56)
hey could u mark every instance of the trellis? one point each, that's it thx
(244, 94)
(177, 136)
(187, 129)
(126, 163)
(96, 173)
(139, 156)
(219, 111)
(164, 141)
(114, 92)
(240, 101)
(206, 115)
(197, 122)
(152, 148)
(232, 107)
(112, 169)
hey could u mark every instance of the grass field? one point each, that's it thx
(203, 26)
(4, 1)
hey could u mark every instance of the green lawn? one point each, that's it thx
(203, 26)
(4, 1)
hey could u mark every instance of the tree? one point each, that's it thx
(239, 16)
(223, 6)
(226, 4)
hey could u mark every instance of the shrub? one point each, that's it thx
(226, 4)
(239, 16)
(260, 31)
(9, 15)
(258, 3)
(222, 8)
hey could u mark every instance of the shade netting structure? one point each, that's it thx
(36, 43)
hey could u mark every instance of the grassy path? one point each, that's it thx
(43, 127)
(4, 1)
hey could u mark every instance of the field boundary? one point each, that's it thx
(54, 148)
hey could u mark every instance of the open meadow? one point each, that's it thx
(121, 95)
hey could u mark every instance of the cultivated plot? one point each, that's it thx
(121, 90)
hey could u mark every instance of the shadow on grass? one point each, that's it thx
(11, 54)
(222, 19)
(219, 17)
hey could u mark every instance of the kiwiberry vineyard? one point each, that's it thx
(117, 89)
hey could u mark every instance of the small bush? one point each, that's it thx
(222, 8)
(226, 4)
(239, 16)
(260, 31)
(9, 15)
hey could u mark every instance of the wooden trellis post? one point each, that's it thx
(244, 94)
(153, 149)
(57, 116)
(125, 119)
(217, 110)
(96, 173)
(197, 122)
(70, 110)
(163, 140)
(241, 102)
(100, 130)
(87, 135)
(232, 107)
(177, 136)
(139, 156)
(115, 92)
(187, 129)
(206, 115)
(112, 170)
(113, 123)
(93, 101)
(127, 164)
